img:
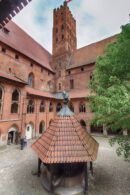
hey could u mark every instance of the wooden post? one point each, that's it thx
(51, 179)
(91, 167)
(39, 167)
(85, 178)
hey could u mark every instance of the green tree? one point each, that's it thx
(110, 87)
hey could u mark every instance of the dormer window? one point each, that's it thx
(69, 72)
(82, 69)
(31, 64)
(16, 56)
(3, 49)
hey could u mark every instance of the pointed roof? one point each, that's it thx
(65, 141)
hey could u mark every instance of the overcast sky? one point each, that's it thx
(96, 19)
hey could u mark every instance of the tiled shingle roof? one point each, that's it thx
(11, 77)
(40, 93)
(23, 43)
(90, 53)
(65, 141)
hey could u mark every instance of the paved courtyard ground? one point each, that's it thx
(111, 173)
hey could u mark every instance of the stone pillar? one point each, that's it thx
(105, 133)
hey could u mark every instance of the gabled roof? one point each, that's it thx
(65, 141)
(40, 93)
(23, 43)
(90, 53)
(11, 78)
(9, 8)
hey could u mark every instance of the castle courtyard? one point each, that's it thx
(111, 173)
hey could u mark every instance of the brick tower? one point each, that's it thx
(64, 43)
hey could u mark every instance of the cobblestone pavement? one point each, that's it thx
(111, 173)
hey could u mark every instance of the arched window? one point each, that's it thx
(42, 106)
(31, 80)
(1, 98)
(82, 107)
(15, 101)
(50, 107)
(58, 107)
(30, 106)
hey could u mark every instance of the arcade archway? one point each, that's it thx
(12, 135)
(41, 127)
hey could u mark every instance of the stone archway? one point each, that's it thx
(29, 131)
(41, 127)
(12, 135)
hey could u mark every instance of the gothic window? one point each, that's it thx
(56, 39)
(62, 28)
(62, 37)
(15, 101)
(1, 98)
(82, 107)
(71, 84)
(50, 107)
(30, 106)
(31, 80)
(56, 30)
(42, 106)
(58, 107)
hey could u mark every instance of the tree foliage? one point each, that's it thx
(111, 88)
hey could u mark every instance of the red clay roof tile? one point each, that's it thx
(65, 141)
(11, 77)
(22, 42)
(90, 53)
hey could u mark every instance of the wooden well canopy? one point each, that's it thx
(66, 141)
(9, 8)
